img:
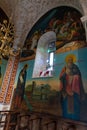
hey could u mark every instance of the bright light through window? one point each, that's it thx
(51, 58)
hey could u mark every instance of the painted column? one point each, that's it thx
(8, 83)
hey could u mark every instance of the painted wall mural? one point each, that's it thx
(64, 94)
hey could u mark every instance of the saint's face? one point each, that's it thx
(70, 62)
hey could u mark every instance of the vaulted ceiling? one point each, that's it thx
(25, 13)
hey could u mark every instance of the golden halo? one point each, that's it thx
(70, 56)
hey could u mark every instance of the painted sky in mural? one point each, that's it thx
(64, 94)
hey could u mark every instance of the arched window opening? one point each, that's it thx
(44, 61)
(51, 57)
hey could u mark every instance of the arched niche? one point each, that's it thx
(43, 66)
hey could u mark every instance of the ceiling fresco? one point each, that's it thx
(65, 21)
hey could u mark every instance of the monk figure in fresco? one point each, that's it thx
(20, 89)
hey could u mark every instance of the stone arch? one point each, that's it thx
(33, 8)
(54, 4)
(39, 7)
